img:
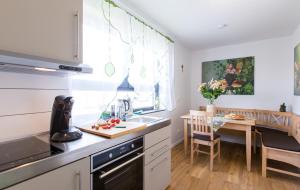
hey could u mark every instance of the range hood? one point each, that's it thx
(38, 66)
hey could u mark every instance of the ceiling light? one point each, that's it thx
(221, 26)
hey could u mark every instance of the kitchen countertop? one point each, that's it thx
(89, 144)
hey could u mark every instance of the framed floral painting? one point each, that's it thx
(236, 75)
(297, 70)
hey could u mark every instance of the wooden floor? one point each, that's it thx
(230, 173)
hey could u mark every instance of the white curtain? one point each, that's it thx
(168, 87)
(125, 47)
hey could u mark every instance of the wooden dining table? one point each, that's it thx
(239, 125)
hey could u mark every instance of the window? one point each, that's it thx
(129, 58)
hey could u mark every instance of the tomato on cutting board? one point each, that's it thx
(106, 127)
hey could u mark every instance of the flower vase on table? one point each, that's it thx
(211, 109)
(211, 91)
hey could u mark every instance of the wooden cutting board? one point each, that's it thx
(115, 132)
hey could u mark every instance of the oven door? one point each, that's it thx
(123, 174)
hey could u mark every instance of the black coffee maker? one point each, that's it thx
(60, 131)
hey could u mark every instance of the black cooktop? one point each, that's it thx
(19, 152)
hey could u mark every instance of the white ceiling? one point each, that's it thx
(195, 22)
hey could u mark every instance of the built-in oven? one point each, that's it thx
(119, 168)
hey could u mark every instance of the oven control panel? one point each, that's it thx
(115, 152)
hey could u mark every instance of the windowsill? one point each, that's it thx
(149, 111)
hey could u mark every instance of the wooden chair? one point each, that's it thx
(202, 134)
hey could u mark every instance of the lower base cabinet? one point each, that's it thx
(75, 176)
(157, 168)
(158, 173)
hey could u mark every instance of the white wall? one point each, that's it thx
(273, 73)
(296, 99)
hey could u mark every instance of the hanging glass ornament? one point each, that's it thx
(109, 69)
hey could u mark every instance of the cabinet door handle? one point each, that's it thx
(77, 40)
(166, 158)
(78, 175)
(161, 150)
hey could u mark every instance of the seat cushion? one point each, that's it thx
(262, 129)
(205, 137)
(280, 141)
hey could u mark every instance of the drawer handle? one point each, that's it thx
(159, 151)
(166, 158)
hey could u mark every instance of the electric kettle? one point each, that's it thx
(124, 107)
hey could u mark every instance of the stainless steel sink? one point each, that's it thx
(143, 119)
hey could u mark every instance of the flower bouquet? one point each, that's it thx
(211, 91)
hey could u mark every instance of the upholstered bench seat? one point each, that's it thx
(265, 128)
(280, 140)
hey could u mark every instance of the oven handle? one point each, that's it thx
(122, 165)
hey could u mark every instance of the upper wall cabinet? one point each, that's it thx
(42, 29)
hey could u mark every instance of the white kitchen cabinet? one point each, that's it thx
(157, 136)
(157, 150)
(75, 176)
(157, 171)
(42, 29)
